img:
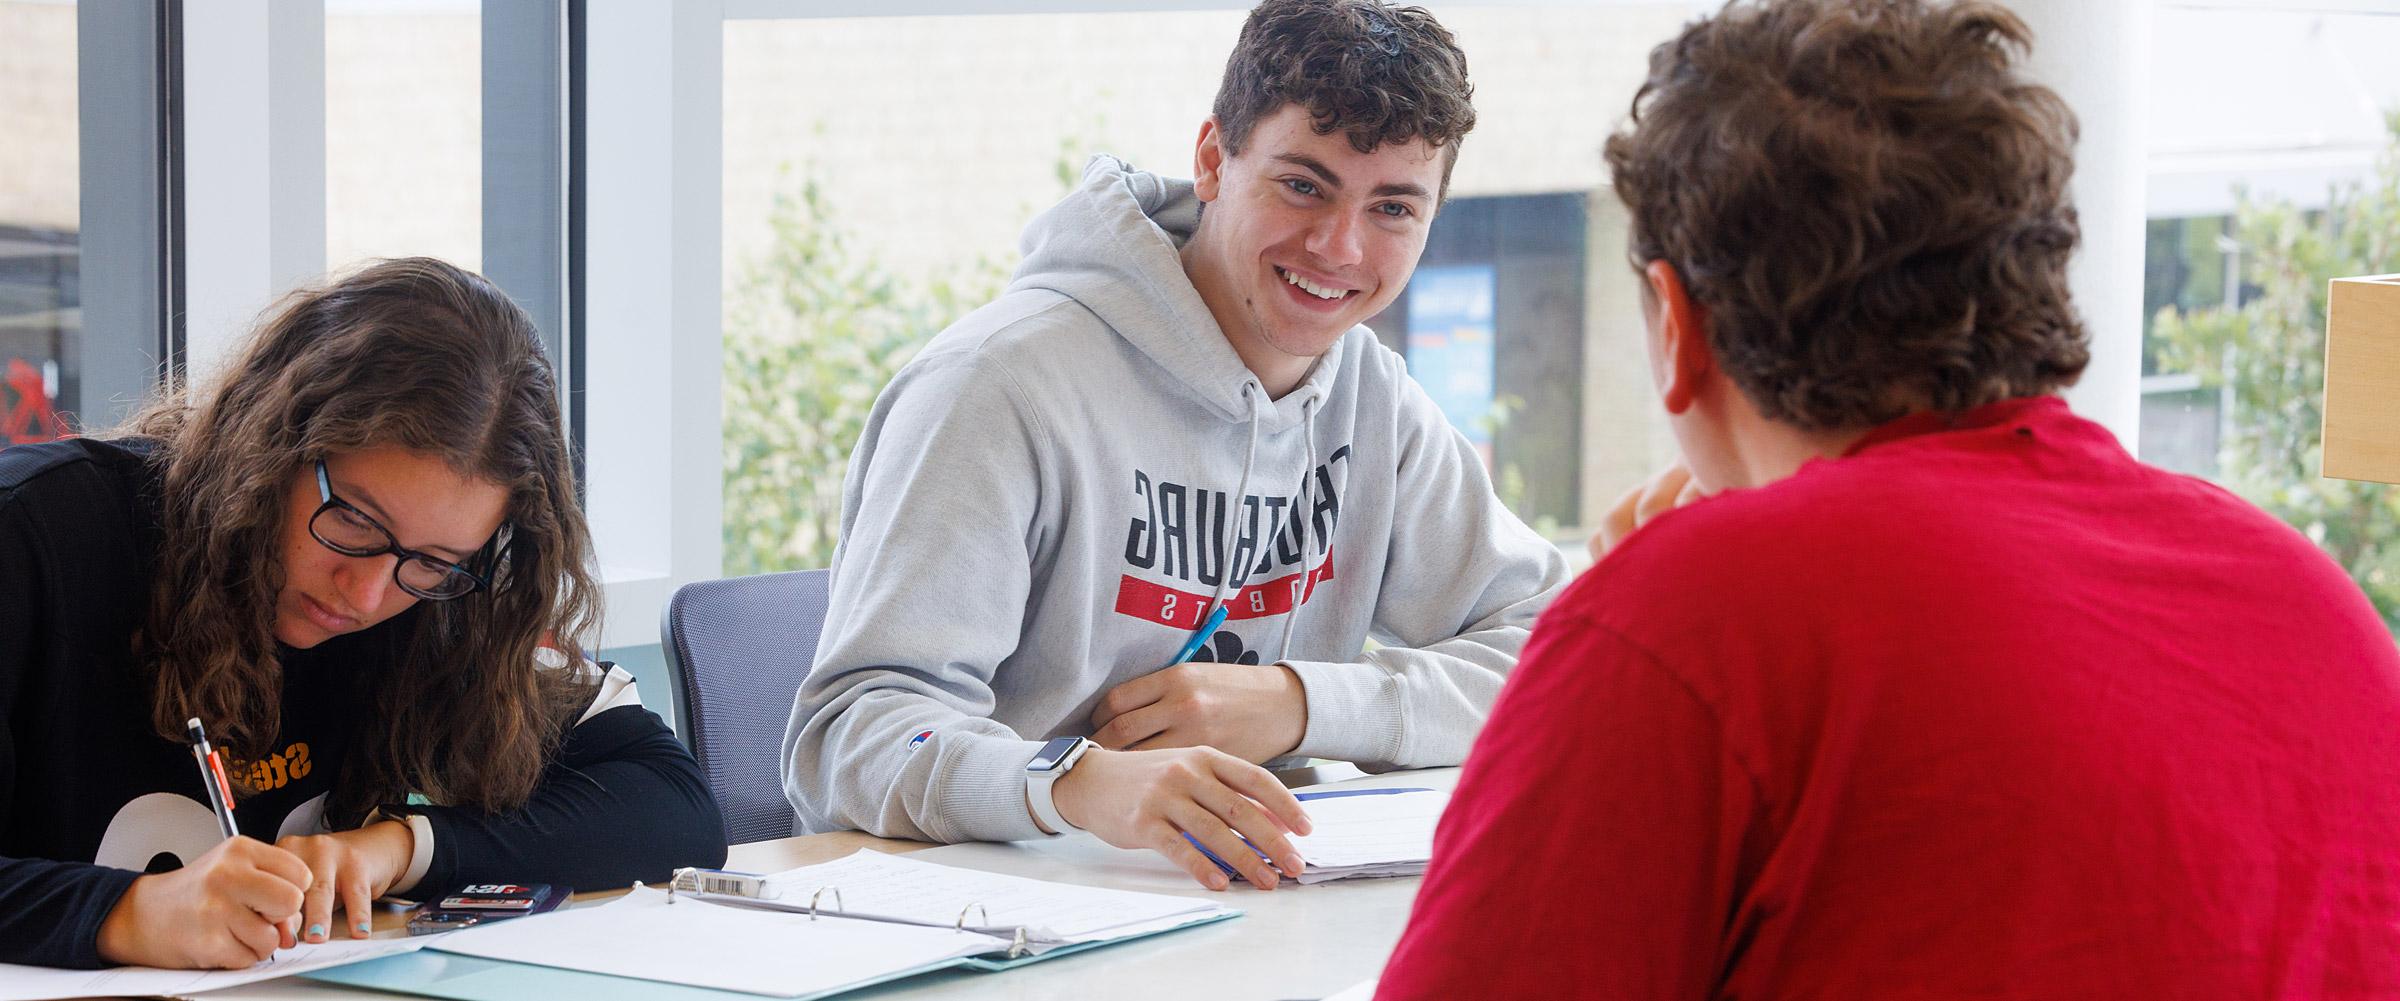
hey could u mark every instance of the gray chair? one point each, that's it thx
(738, 650)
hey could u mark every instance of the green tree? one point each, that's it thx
(815, 328)
(2269, 357)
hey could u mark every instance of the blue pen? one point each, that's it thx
(1207, 629)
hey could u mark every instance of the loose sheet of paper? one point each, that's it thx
(1376, 835)
(691, 941)
(1362, 991)
(41, 983)
(899, 888)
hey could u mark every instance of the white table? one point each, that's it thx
(1294, 942)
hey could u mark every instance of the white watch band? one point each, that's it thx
(420, 857)
(1038, 786)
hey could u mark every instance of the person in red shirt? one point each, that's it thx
(1934, 691)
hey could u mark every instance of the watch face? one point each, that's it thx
(1051, 754)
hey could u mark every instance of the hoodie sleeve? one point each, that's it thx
(623, 801)
(890, 732)
(1463, 585)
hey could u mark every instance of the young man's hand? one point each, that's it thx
(1253, 713)
(354, 866)
(1671, 488)
(226, 910)
(1151, 799)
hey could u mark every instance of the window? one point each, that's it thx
(1494, 325)
(403, 131)
(41, 304)
(2189, 265)
(2274, 166)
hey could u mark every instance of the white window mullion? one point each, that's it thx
(254, 165)
(653, 305)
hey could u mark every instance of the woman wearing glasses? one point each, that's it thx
(357, 558)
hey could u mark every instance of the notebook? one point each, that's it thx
(1369, 832)
(1357, 833)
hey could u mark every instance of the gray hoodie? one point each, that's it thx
(1047, 499)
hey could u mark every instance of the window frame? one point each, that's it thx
(130, 238)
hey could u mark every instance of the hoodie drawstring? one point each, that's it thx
(1295, 520)
(1225, 548)
(1308, 559)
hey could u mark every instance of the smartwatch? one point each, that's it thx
(1043, 771)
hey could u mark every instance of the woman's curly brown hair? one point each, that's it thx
(1868, 200)
(421, 355)
(1377, 73)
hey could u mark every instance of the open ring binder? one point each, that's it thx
(948, 913)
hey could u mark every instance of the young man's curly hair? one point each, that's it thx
(1378, 73)
(1869, 201)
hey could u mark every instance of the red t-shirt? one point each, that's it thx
(1984, 709)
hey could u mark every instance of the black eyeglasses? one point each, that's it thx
(350, 532)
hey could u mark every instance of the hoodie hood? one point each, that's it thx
(1114, 245)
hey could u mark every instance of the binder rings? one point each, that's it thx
(1036, 915)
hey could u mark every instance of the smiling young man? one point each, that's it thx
(1174, 408)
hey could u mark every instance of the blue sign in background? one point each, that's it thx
(1451, 342)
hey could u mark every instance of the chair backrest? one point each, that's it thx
(738, 650)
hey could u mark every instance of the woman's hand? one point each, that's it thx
(226, 910)
(355, 866)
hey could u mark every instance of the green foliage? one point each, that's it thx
(2269, 355)
(1508, 481)
(814, 331)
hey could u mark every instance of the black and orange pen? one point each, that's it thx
(212, 775)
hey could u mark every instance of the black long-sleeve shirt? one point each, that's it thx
(91, 796)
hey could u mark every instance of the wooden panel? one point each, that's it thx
(2362, 379)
